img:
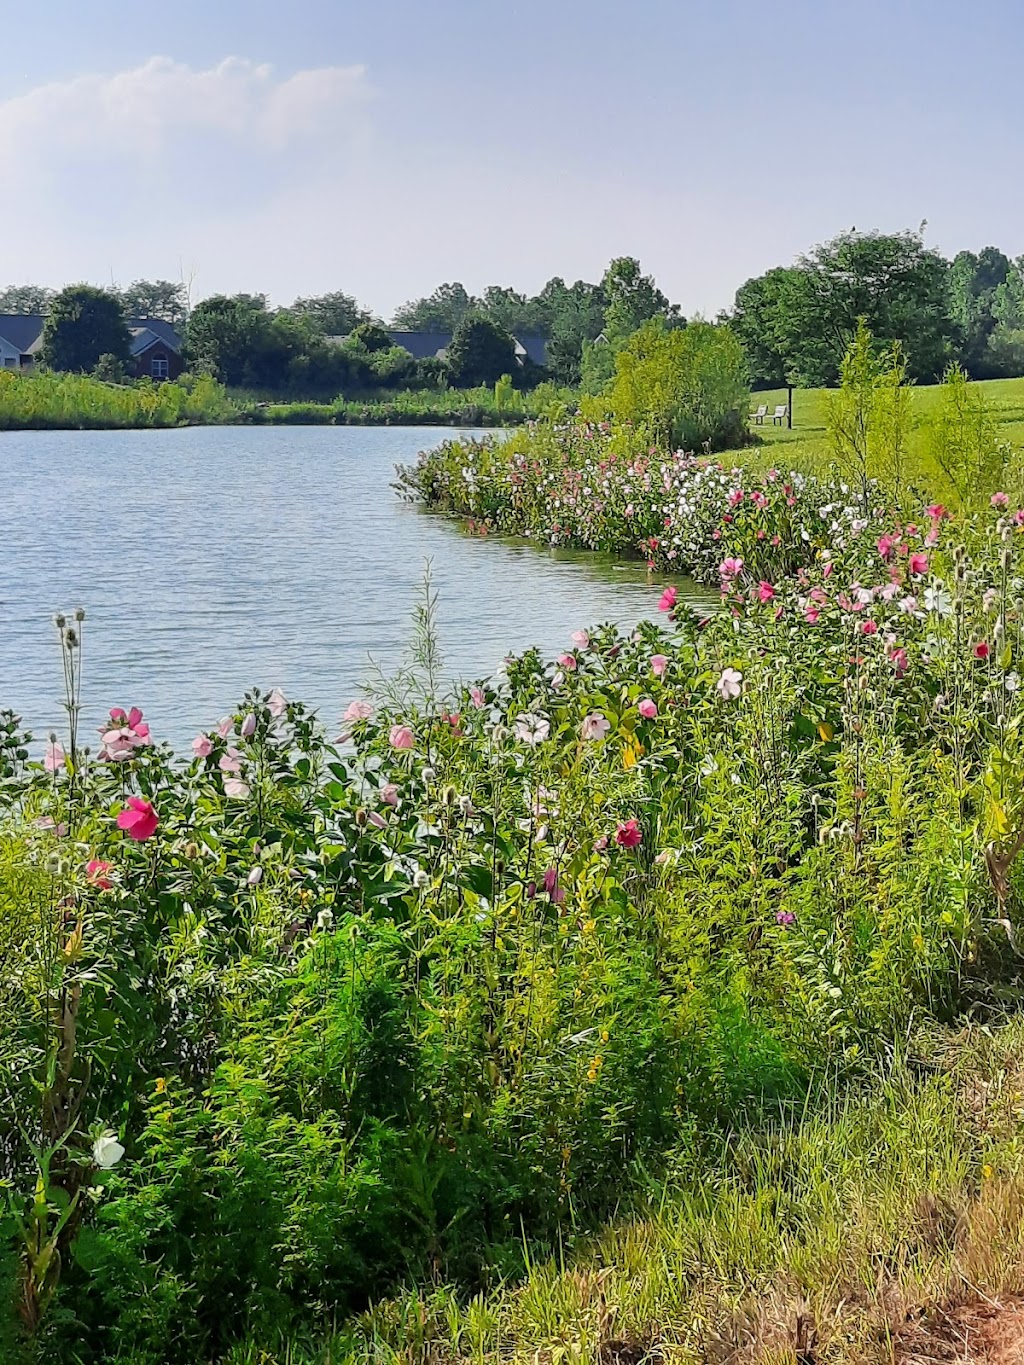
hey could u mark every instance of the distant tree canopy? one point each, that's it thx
(569, 316)
(25, 298)
(332, 315)
(84, 324)
(480, 352)
(155, 299)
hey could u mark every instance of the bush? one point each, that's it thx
(684, 388)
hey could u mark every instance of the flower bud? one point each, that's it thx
(255, 876)
(361, 817)
(448, 796)
(429, 774)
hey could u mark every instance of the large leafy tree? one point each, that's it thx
(573, 315)
(238, 341)
(333, 315)
(756, 321)
(84, 323)
(809, 314)
(441, 311)
(156, 299)
(480, 352)
(25, 298)
(632, 299)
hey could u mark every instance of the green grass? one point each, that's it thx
(805, 447)
(867, 1217)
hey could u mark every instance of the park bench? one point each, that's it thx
(780, 414)
(760, 414)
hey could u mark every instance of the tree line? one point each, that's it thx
(329, 343)
(796, 322)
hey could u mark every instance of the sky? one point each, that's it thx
(383, 146)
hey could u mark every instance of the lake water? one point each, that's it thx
(215, 558)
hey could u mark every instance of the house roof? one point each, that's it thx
(24, 331)
(144, 339)
(424, 344)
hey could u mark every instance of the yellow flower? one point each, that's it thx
(160, 1085)
(987, 1172)
(589, 926)
(604, 1035)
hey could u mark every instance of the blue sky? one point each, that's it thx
(383, 146)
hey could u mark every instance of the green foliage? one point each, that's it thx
(798, 322)
(84, 324)
(57, 402)
(685, 389)
(334, 315)
(869, 417)
(633, 299)
(441, 311)
(371, 336)
(25, 298)
(156, 299)
(962, 444)
(479, 353)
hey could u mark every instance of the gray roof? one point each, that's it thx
(424, 344)
(24, 331)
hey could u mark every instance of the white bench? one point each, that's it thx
(760, 414)
(780, 414)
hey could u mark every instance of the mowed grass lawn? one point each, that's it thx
(806, 446)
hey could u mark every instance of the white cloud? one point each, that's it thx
(137, 113)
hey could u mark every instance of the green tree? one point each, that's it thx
(572, 315)
(371, 336)
(632, 299)
(441, 311)
(973, 284)
(683, 387)
(810, 313)
(755, 320)
(239, 342)
(156, 299)
(25, 298)
(83, 324)
(480, 353)
(513, 312)
(333, 315)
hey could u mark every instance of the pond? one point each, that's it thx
(216, 558)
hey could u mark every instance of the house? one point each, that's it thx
(155, 346)
(155, 349)
(434, 345)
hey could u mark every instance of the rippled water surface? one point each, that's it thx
(212, 559)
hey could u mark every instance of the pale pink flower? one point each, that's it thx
(812, 615)
(595, 726)
(601, 843)
(580, 639)
(400, 737)
(358, 710)
(730, 568)
(729, 685)
(1000, 499)
(647, 708)
(389, 794)
(658, 664)
(225, 727)
(248, 726)
(55, 756)
(531, 729)
(277, 703)
(230, 761)
(234, 786)
(568, 661)
(477, 697)
(377, 820)
(202, 746)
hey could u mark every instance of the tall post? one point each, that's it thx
(789, 406)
